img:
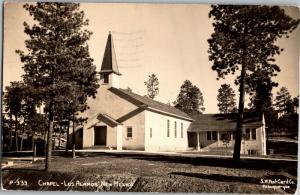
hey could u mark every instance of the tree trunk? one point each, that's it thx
(32, 141)
(22, 139)
(10, 138)
(74, 145)
(49, 142)
(16, 140)
(21, 145)
(68, 134)
(54, 138)
(45, 135)
(59, 136)
(16, 134)
(10, 131)
(240, 117)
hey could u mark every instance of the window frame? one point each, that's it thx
(127, 132)
(181, 130)
(247, 134)
(253, 130)
(209, 135)
(168, 128)
(214, 135)
(175, 129)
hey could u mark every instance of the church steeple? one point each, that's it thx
(109, 63)
(109, 73)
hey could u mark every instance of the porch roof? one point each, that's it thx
(223, 122)
(108, 119)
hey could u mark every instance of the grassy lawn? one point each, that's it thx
(152, 174)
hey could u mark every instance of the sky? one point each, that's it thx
(169, 40)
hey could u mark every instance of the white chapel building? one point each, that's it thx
(122, 120)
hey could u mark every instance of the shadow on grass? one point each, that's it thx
(252, 164)
(219, 177)
(247, 180)
(24, 169)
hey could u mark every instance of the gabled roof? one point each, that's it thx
(223, 122)
(109, 62)
(108, 120)
(105, 119)
(149, 104)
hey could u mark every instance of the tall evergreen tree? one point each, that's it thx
(35, 122)
(58, 63)
(283, 101)
(226, 99)
(190, 99)
(296, 103)
(259, 85)
(244, 39)
(13, 101)
(152, 86)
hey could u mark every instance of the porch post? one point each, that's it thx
(119, 137)
(198, 141)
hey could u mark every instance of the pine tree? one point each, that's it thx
(244, 39)
(226, 99)
(35, 122)
(283, 101)
(152, 86)
(58, 63)
(190, 99)
(13, 101)
(259, 85)
(296, 103)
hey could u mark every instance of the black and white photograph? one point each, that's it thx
(150, 97)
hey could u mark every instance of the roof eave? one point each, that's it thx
(168, 113)
(110, 71)
(110, 119)
(204, 129)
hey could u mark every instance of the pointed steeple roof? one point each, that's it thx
(109, 63)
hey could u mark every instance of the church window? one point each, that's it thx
(253, 134)
(168, 128)
(129, 132)
(181, 130)
(175, 129)
(247, 135)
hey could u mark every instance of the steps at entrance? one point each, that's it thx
(98, 147)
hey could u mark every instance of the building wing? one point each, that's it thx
(223, 122)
